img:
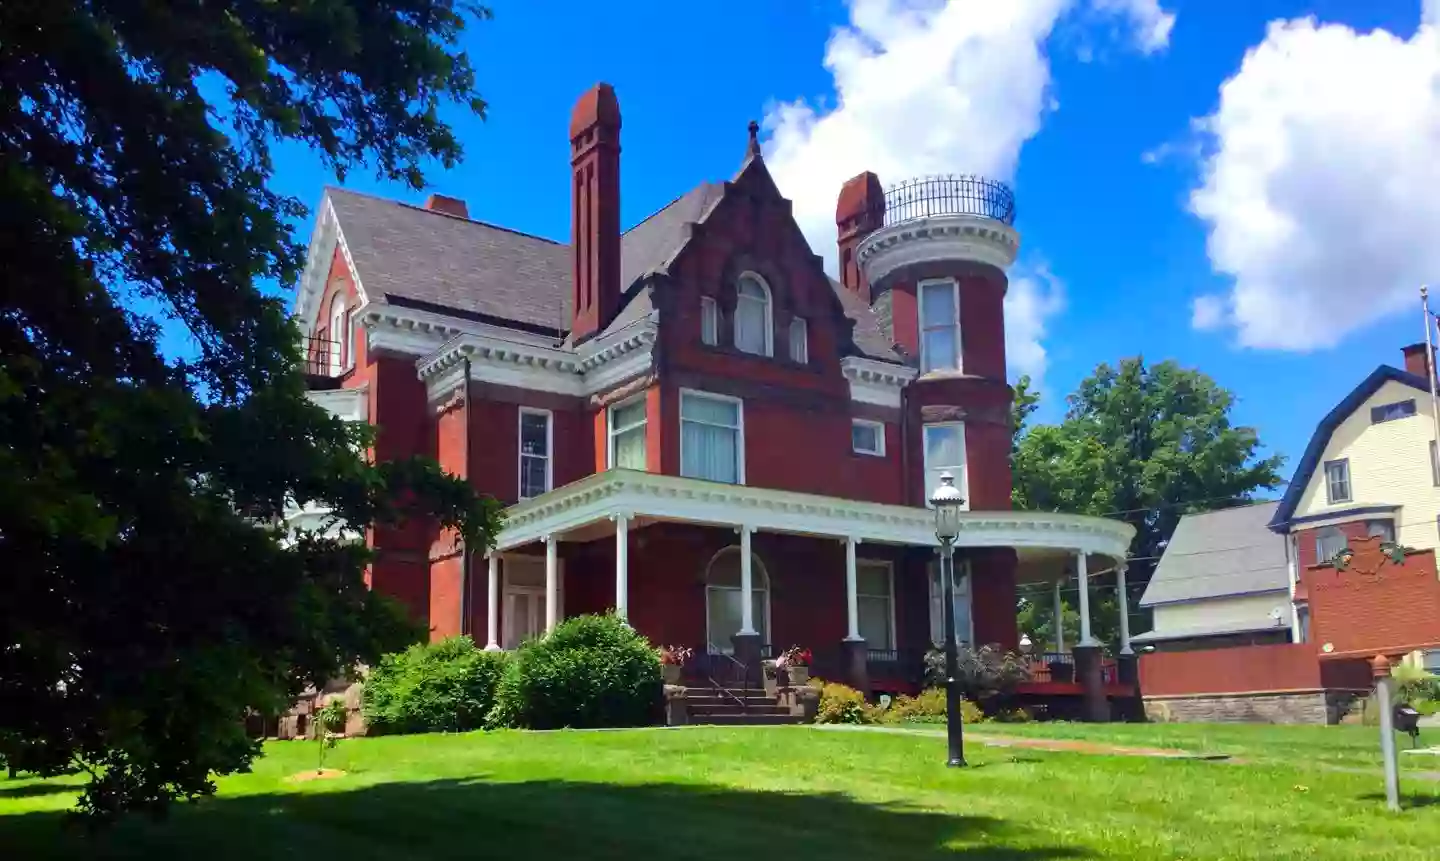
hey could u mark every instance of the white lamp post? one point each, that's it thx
(948, 504)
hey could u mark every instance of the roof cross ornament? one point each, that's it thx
(753, 148)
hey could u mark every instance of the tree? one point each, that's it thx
(151, 596)
(1143, 443)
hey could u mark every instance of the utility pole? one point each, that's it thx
(1430, 368)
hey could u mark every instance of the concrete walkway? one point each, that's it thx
(1050, 744)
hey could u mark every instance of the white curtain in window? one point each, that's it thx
(627, 436)
(945, 452)
(752, 316)
(709, 439)
(799, 341)
(709, 321)
(1328, 543)
(939, 349)
(872, 593)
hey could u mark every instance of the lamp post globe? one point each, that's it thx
(948, 505)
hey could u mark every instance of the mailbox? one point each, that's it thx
(1407, 720)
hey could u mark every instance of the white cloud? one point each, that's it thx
(1320, 193)
(1035, 295)
(925, 87)
(1430, 12)
(1208, 313)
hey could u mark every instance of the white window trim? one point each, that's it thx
(709, 321)
(962, 482)
(520, 449)
(889, 567)
(739, 428)
(879, 437)
(339, 317)
(769, 312)
(611, 432)
(1330, 497)
(920, 316)
(757, 565)
(937, 626)
(804, 329)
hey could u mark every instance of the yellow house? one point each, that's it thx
(1370, 469)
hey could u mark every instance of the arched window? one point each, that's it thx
(1329, 542)
(724, 600)
(337, 334)
(753, 331)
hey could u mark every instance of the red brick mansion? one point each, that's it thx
(688, 420)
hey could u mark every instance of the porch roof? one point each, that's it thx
(651, 497)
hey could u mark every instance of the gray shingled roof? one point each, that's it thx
(408, 254)
(1219, 553)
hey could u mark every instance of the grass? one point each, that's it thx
(717, 793)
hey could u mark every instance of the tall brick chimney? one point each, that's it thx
(1415, 360)
(595, 210)
(859, 212)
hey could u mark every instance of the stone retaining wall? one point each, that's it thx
(1297, 707)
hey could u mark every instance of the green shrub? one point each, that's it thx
(433, 687)
(591, 671)
(842, 704)
(984, 674)
(928, 707)
(1014, 715)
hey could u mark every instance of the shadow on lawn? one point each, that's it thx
(35, 790)
(539, 819)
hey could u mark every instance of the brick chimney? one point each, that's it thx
(447, 205)
(1415, 360)
(595, 210)
(859, 212)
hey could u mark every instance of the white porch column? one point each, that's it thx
(622, 566)
(1124, 601)
(492, 606)
(552, 584)
(747, 594)
(1082, 574)
(1059, 617)
(852, 601)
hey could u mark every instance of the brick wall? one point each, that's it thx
(1374, 605)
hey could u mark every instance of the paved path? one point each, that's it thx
(1051, 744)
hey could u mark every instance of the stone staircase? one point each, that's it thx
(736, 707)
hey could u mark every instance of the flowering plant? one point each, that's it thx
(793, 657)
(675, 656)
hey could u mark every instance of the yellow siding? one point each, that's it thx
(1221, 613)
(1389, 465)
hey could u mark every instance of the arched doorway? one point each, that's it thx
(724, 599)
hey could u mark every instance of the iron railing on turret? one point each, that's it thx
(949, 195)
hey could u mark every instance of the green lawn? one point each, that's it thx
(746, 794)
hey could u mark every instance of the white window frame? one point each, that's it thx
(520, 454)
(739, 429)
(879, 437)
(769, 322)
(338, 328)
(962, 481)
(936, 589)
(954, 285)
(889, 567)
(799, 328)
(1330, 496)
(611, 431)
(709, 321)
(1321, 558)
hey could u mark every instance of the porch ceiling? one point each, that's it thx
(582, 510)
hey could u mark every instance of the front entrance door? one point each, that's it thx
(524, 614)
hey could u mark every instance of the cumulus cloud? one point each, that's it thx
(1035, 296)
(925, 87)
(1320, 190)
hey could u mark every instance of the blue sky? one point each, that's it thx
(1310, 166)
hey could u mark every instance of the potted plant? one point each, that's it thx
(672, 658)
(795, 661)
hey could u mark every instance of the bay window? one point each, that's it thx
(627, 435)
(945, 452)
(712, 437)
(536, 441)
(939, 326)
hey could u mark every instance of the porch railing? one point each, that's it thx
(1063, 669)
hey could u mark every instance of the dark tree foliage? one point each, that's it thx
(149, 596)
(1141, 443)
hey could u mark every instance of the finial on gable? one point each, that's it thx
(754, 146)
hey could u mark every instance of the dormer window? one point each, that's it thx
(799, 341)
(753, 330)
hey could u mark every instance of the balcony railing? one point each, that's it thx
(322, 358)
(949, 195)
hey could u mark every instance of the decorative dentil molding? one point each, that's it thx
(937, 239)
